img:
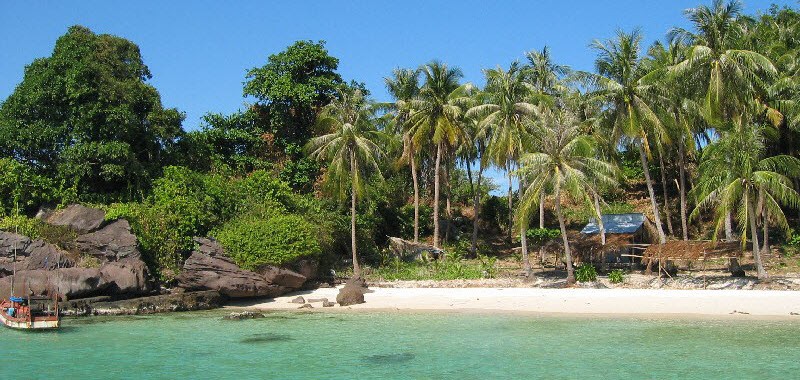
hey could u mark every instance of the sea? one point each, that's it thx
(404, 345)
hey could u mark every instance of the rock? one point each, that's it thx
(283, 277)
(313, 300)
(306, 306)
(111, 243)
(409, 251)
(9, 241)
(69, 282)
(298, 300)
(208, 268)
(307, 268)
(188, 301)
(352, 293)
(243, 315)
(43, 255)
(128, 276)
(328, 304)
(78, 217)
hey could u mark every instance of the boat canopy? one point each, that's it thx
(17, 299)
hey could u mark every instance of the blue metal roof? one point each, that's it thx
(616, 224)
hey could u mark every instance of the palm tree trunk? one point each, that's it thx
(728, 226)
(474, 192)
(600, 219)
(682, 169)
(510, 204)
(447, 209)
(541, 226)
(523, 238)
(667, 214)
(765, 247)
(762, 274)
(436, 196)
(656, 215)
(564, 238)
(353, 169)
(416, 199)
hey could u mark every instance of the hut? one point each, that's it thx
(626, 235)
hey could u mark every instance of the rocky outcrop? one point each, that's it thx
(128, 276)
(69, 282)
(243, 315)
(352, 293)
(208, 268)
(283, 277)
(78, 217)
(189, 301)
(113, 242)
(30, 254)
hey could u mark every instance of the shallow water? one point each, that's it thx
(400, 346)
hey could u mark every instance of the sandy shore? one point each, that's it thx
(651, 302)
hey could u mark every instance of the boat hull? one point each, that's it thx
(36, 324)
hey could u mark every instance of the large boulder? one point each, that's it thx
(43, 255)
(283, 277)
(352, 293)
(409, 251)
(128, 276)
(208, 268)
(9, 242)
(69, 282)
(113, 242)
(78, 217)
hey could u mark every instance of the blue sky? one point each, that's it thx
(199, 51)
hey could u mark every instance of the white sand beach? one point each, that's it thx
(651, 302)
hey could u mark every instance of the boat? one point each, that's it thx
(31, 313)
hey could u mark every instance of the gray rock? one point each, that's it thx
(243, 315)
(299, 299)
(328, 304)
(283, 277)
(352, 293)
(78, 217)
(9, 241)
(306, 306)
(128, 276)
(69, 282)
(188, 301)
(208, 268)
(111, 243)
(43, 255)
(313, 300)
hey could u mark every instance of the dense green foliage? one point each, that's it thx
(586, 273)
(616, 276)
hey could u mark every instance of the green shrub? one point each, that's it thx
(539, 236)
(21, 189)
(22, 225)
(616, 276)
(586, 273)
(253, 242)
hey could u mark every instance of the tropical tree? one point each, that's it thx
(435, 112)
(404, 87)
(620, 83)
(736, 179)
(351, 150)
(566, 165)
(544, 74)
(504, 119)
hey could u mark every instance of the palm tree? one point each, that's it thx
(504, 120)
(351, 151)
(404, 87)
(735, 179)
(566, 166)
(544, 74)
(728, 77)
(621, 83)
(434, 116)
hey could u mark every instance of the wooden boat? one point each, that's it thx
(31, 313)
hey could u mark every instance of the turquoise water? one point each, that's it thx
(400, 346)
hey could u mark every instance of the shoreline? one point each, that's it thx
(578, 302)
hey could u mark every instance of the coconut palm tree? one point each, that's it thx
(543, 73)
(736, 179)
(567, 167)
(351, 150)
(504, 119)
(435, 112)
(404, 87)
(620, 82)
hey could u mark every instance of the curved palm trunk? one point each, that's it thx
(564, 238)
(656, 215)
(762, 274)
(541, 226)
(682, 190)
(353, 169)
(436, 196)
(667, 214)
(448, 211)
(476, 200)
(600, 219)
(416, 198)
